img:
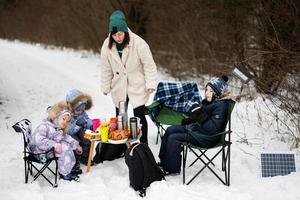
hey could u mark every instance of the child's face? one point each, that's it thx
(64, 120)
(209, 92)
(77, 112)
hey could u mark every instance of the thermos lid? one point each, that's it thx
(122, 105)
(113, 120)
(133, 119)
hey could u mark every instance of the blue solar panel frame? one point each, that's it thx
(277, 164)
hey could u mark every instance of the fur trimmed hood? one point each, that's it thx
(225, 96)
(54, 110)
(82, 97)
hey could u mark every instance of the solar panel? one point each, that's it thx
(275, 164)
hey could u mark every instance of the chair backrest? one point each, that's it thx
(230, 107)
(24, 127)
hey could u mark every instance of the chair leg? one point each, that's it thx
(158, 134)
(185, 149)
(40, 173)
(207, 165)
(199, 156)
(56, 169)
(223, 160)
(29, 167)
(228, 172)
(226, 164)
(26, 165)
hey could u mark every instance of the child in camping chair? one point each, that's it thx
(79, 103)
(206, 119)
(52, 133)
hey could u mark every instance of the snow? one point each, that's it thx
(32, 78)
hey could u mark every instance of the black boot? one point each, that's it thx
(76, 169)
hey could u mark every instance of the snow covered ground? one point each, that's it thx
(32, 78)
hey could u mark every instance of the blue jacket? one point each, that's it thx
(74, 128)
(214, 123)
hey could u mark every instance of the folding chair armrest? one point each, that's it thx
(52, 149)
(51, 152)
(46, 152)
(223, 133)
(43, 156)
(185, 115)
(153, 104)
(194, 146)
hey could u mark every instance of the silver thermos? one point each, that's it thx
(122, 107)
(133, 127)
(120, 122)
(123, 113)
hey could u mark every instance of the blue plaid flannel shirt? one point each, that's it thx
(178, 96)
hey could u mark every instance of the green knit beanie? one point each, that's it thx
(117, 22)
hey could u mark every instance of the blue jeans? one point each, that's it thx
(171, 147)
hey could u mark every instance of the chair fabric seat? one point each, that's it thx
(169, 117)
(162, 115)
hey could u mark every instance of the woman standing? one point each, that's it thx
(128, 70)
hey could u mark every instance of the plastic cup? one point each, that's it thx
(96, 124)
(104, 133)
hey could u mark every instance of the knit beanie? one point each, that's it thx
(72, 95)
(218, 84)
(117, 22)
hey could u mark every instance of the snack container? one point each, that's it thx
(90, 135)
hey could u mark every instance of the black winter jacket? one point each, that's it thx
(210, 119)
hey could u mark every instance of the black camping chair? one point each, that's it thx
(30, 159)
(223, 146)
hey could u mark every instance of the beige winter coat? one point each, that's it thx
(132, 75)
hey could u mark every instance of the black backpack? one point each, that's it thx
(143, 169)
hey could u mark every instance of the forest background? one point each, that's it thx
(188, 39)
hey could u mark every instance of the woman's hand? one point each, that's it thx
(150, 90)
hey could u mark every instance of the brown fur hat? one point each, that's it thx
(55, 109)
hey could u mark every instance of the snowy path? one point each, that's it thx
(32, 78)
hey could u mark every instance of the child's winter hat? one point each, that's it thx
(218, 84)
(117, 22)
(78, 100)
(57, 110)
